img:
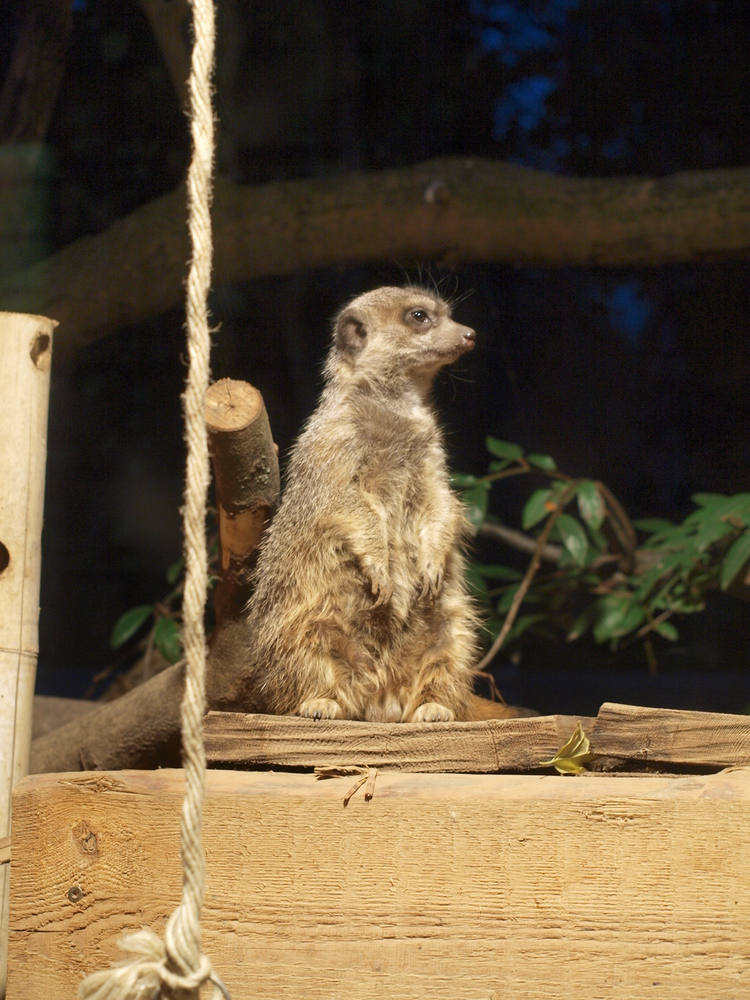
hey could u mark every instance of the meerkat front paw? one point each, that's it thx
(321, 708)
(432, 581)
(432, 711)
(380, 585)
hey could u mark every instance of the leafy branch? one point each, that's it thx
(164, 633)
(165, 616)
(600, 579)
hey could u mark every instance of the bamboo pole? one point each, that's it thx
(25, 355)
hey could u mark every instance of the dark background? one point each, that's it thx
(638, 378)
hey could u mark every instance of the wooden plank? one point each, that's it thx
(670, 736)
(456, 887)
(287, 741)
(653, 735)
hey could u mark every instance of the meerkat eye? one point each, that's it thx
(418, 318)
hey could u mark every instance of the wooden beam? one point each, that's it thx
(670, 736)
(624, 732)
(481, 747)
(456, 887)
(451, 210)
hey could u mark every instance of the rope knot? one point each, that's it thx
(146, 973)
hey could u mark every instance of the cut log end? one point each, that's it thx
(232, 405)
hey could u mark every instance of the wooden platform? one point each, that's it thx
(446, 886)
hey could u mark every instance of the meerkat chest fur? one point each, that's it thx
(360, 609)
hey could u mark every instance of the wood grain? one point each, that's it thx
(671, 736)
(25, 356)
(287, 741)
(456, 887)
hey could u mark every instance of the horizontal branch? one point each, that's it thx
(450, 210)
(518, 540)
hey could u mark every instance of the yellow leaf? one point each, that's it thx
(570, 758)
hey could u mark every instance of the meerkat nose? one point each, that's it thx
(469, 337)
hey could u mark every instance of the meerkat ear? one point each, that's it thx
(350, 332)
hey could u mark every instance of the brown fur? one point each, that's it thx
(360, 609)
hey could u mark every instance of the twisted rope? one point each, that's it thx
(177, 962)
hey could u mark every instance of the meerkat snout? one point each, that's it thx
(469, 338)
(392, 332)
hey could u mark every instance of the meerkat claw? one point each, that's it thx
(321, 708)
(432, 711)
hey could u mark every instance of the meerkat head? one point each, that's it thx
(397, 332)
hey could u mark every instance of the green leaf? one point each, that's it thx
(476, 504)
(535, 510)
(735, 559)
(167, 639)
(738, 503)
(599, 540)
(711, 531)
(667, 630)
(503, 449)
(581, 625)
(175, 571)
(708, 499)
(544, 462)
(618, 614)
(591, 504)
(723, 506)
(462, 479)
(128, 624)
(558, 488)
(573, 538)
(498, 572)
(653, 525)
(500, 465)
(570, 758)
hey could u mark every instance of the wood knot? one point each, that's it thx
(85, 839)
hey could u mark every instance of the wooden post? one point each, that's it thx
(25, 355)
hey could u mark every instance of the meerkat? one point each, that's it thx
(361, 610)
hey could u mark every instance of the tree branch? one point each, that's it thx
(523, 587)
(518, 540)
(451, 210)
